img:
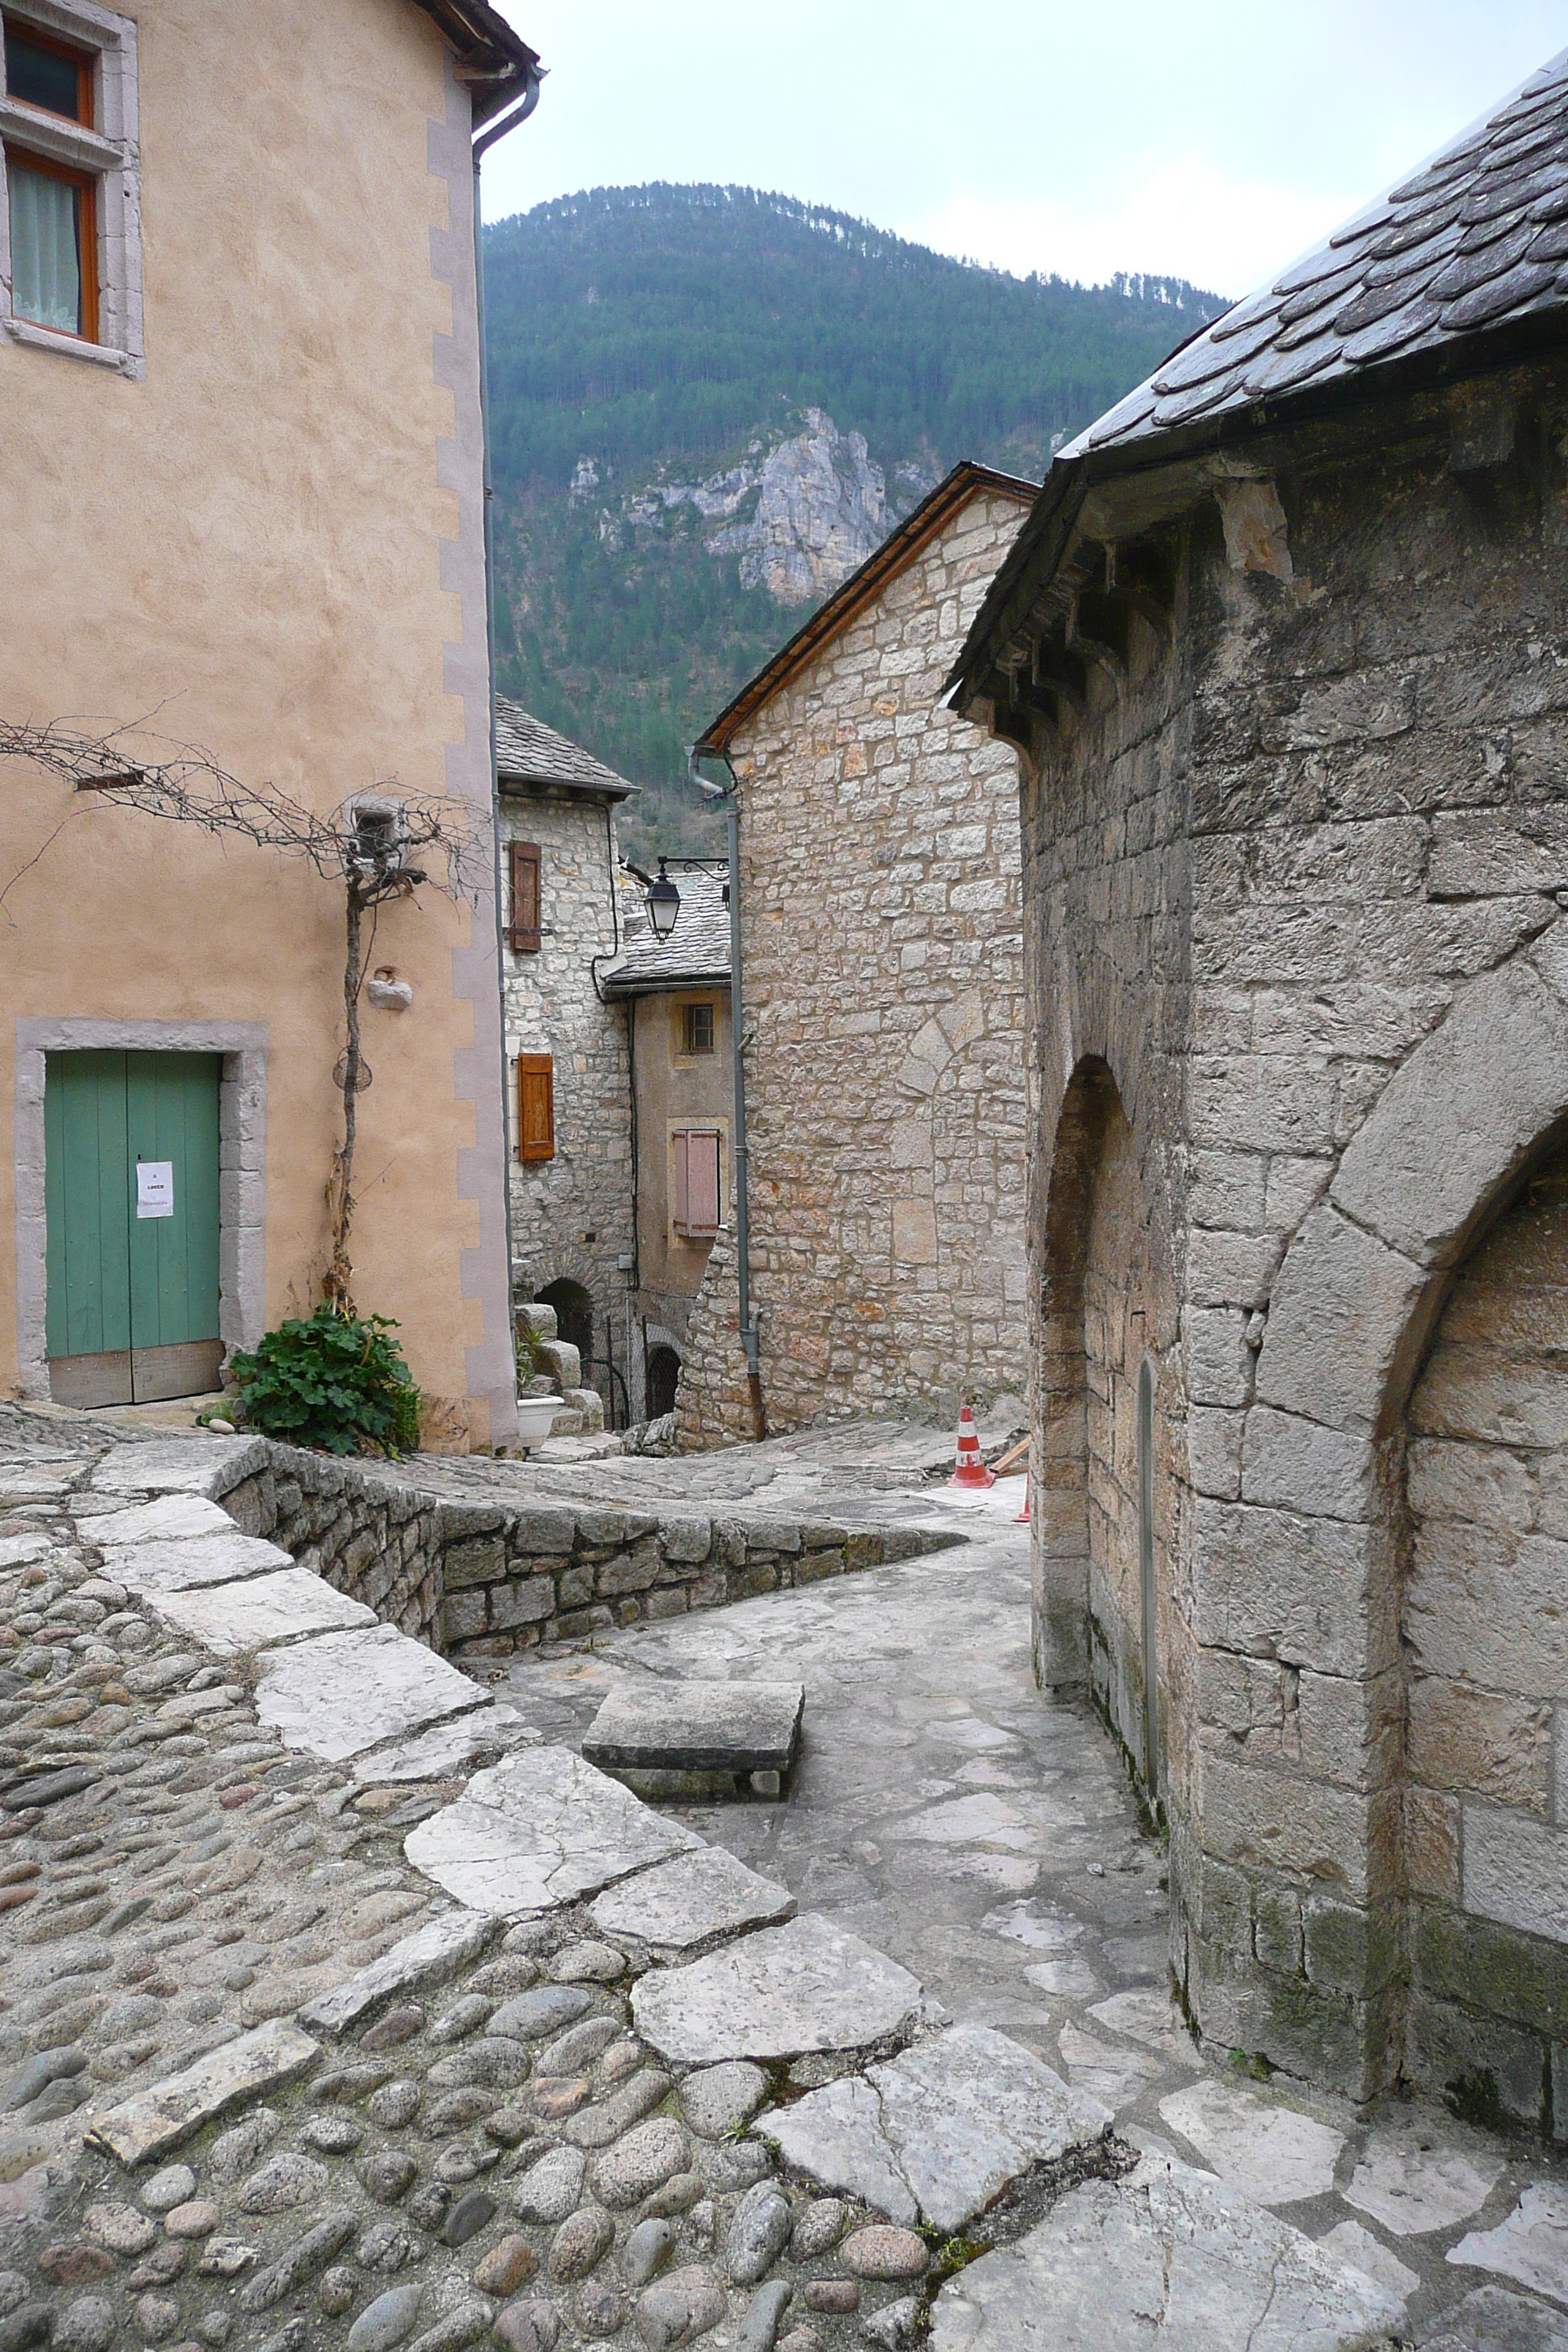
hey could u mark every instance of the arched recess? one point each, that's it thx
(1315, 1570)
(1107, 1506)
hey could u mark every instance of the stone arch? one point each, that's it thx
(1365, 1275)
(1304, 1578)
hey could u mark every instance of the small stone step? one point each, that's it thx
(649, 1725)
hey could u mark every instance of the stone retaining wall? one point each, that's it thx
(486, 1580)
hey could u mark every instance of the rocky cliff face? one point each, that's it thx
(801, 515)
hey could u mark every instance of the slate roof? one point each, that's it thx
(696, 949)
(1474, 241)
(529, 752)
(897, 552)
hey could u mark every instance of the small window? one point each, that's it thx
(696, 1188)
(47, 74)
(698, 1028)
(523, 937)
(535, 1106)
(54, 246)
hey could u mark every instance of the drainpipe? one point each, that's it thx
(750, 1316)
(498, 130)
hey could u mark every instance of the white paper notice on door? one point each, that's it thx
(154, 1188)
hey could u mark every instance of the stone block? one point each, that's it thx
(682, 1903)
(648, 1723)
(229, 1618)
(343, 1693)
(1281, 1584)
(1219, 1363)
(543, 1531)
(574, 1585)
(1279, 1822)
(538, 1831)
(1515, 1870)
(161, 2118)
(523, 1600)
(1493, 2072)
(1277, 1928)
(780, 1992)
(686, 1539)
(1432, 1843)
(1347, 1949)
(1298, 1466)
(479, 1560)
(1340, 1321)
(1213, 1450)
(813, 1566)
(430, 1956)
(1489, 1744)
(1493, 1970)
(463, 1616)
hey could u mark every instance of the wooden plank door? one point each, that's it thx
(171, 1121)
(86, 1162)
(132, 1303)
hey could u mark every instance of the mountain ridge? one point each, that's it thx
(659, 353)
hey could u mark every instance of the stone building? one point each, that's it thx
(243, 454)
(882, 948)
(675, 993)
(1284, 649)
(568, 1070)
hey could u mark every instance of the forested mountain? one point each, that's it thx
(708, 404)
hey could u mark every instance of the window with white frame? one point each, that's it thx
(70, 195)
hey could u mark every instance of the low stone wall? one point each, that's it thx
(485, 1580)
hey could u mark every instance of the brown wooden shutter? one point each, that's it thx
(680, 1182)
(535, 1106)
(523, 935)
(696, 1181)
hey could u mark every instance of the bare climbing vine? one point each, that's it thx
(380, 845)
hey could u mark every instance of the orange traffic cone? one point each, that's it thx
(1021, 1519)
(970, 1470)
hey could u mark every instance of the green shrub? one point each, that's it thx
(332, 1381)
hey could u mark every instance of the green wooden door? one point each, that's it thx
(133, 1263)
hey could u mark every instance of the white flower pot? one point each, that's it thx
(535, 1418)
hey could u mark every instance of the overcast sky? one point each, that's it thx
(1211, 141)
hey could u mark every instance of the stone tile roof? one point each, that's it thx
(1461, 265)
(1475, 240)
(696, 949)
(529, 752)
(897, 552)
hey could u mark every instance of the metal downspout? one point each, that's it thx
(750, 1316)
(510, 122)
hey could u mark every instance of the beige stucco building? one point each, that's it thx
(882, 950)
(240, 412)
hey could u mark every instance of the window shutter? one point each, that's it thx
(697, 1180)
(681, 1181)
(702, 1184)
(535, 1106)
(523, 937)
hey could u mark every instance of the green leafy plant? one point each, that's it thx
(529, 1352)
(332, 1381)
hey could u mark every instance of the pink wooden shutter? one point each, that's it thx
(702, 1184)
(681, 1181)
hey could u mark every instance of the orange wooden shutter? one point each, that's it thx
(523, 935)
(535, 1106)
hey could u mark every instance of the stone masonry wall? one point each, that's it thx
(485, 1581)
(1486, 1796)
(883, 956)
(572, 1215)
(1296, 880)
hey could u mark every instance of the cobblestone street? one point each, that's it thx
(317, 2029)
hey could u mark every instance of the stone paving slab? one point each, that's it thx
(447, 1749)
(186, 1465)
(346, 1692)
(648, 1723)
(162, 2118)
(946, 2125)
(685, 1902)
(229, 1618)
(187, 1564)
(430, 1956)
(168, 1518)
(538, 1830)
(1166, 2261)
(807, 1985)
